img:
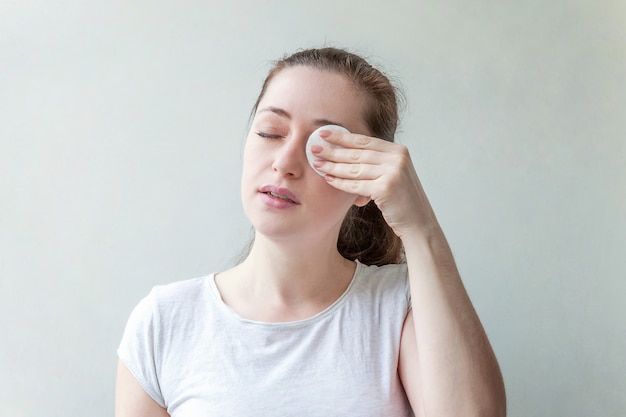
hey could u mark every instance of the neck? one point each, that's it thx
(286, 281)
(295, 271)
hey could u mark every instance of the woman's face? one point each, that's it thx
(282, 195)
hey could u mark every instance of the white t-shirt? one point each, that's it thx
(195, 356)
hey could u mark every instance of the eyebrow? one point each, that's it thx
(285, 114)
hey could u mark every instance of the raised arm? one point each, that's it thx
(447, 365)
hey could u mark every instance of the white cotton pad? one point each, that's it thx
(315, 139)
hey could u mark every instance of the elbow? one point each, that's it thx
(494, 403)
(488, 399)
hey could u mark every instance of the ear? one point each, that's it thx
(361, 201)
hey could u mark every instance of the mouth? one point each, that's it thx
(280, 193)
(282, 197)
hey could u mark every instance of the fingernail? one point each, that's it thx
(317, 163)
(324, 133)
(316, 149)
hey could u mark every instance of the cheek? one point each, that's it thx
(252, 157)
(256, 163)
(336, 200)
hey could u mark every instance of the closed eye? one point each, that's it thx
(268, 135)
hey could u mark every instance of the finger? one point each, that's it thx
(354, 140)
(360, 187)
(351, 156)
(350, 170)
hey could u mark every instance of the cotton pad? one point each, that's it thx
(315, 139)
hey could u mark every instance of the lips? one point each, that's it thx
(279, 193)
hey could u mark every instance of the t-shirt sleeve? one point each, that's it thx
(407, 291)
(139, 347)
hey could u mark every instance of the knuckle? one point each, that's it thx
(363, 140)
(354, 187)
(355, 169)
(403, 158)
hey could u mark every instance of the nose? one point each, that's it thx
(290, 159)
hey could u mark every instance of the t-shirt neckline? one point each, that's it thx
(232, 314)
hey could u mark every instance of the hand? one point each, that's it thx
(380, 170)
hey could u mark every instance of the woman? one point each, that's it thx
(349, 301)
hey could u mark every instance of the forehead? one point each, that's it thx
(312, 94)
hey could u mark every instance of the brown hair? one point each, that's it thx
(364, 233)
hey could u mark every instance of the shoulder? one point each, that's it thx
(181, 291)
(389, 271)
(181, 298)
(164, 302)
(384, 281)
(379, 303)
(154, 327)
(391, 275)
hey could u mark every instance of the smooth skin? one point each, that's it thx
(447, 366)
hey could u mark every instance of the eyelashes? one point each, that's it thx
(266, 135)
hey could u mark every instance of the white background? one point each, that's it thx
(121, 130)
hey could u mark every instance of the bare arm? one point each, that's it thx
(130, 398)
(447, 365)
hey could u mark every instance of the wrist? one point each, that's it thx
(424, 237)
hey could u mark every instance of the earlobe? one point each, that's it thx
(361, 201)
